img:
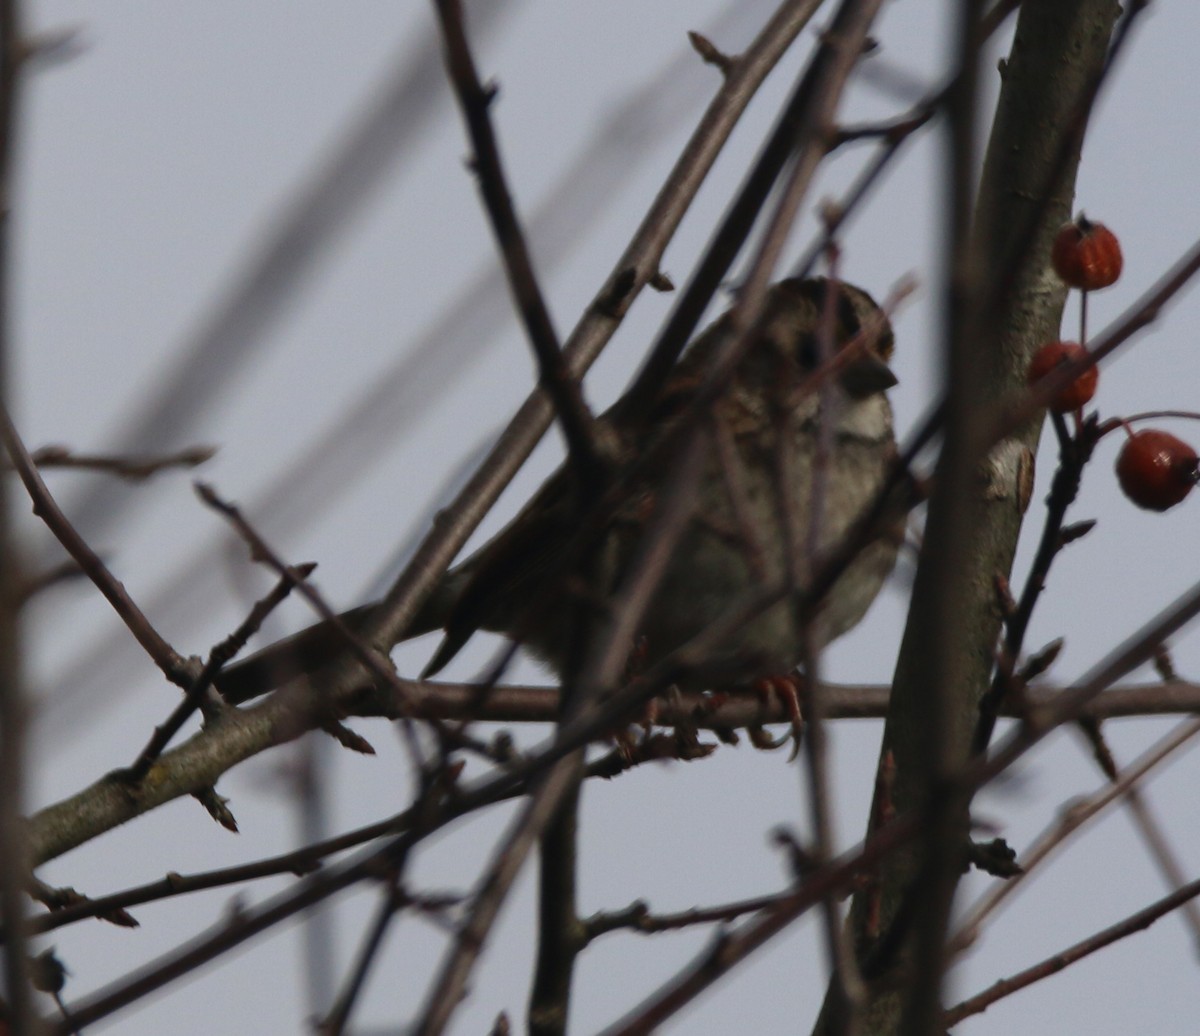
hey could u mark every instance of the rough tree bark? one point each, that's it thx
(1008, 302)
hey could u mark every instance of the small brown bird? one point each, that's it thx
(761, 447)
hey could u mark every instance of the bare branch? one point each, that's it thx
(219, 655)
(557, 381)
(15, 858)
(1136, 922)
(174, 666)
(135, 469)
(1074, 816)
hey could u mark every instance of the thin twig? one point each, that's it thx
(1144, 820)
(446, 991)
(15, 862)
(372, 660)
(134, 468)
(392, 901)
(174, 666)
(732, 948)
(222, 653)
(559, 384)
(1071, 704)
(1073, 454)
(638, 918)
(1072, 818)
(800, 134)
(68, 907)
(1132, 924)
(731, 708)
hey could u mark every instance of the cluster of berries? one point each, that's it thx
(1155, 469)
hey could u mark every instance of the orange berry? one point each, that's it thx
(1074, 394)
(1156, 470)
(1086, 255)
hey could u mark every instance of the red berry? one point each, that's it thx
(1074, 394)
(1086, 255)
(1156, 470)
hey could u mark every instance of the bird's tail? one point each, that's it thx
(307, 651)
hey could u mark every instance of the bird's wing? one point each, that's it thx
(512, 570)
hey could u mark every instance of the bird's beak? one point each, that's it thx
(867, 375)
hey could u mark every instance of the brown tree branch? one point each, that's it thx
(446, 991)
(556, 380)
(735, 709)
(1137, 922)
(950, 636)
(68, 906)
(222, 653)
(1072, 819)
(730, 949)
(174, 666)
(133, 468)
(17, 1004)
(202, 759)
(801, 134)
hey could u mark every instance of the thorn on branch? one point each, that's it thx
(217, 806)
(996, 857)
(347, 738)
(1090, 728)
(800, 860)
(1075, 531)
(711, 55)
(55, 899)
(659, 281)
(1163, 664)
(1040, 661)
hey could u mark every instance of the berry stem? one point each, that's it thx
(1074, 452)
(1113, 423)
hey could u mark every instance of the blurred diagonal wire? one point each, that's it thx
(297, 238)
